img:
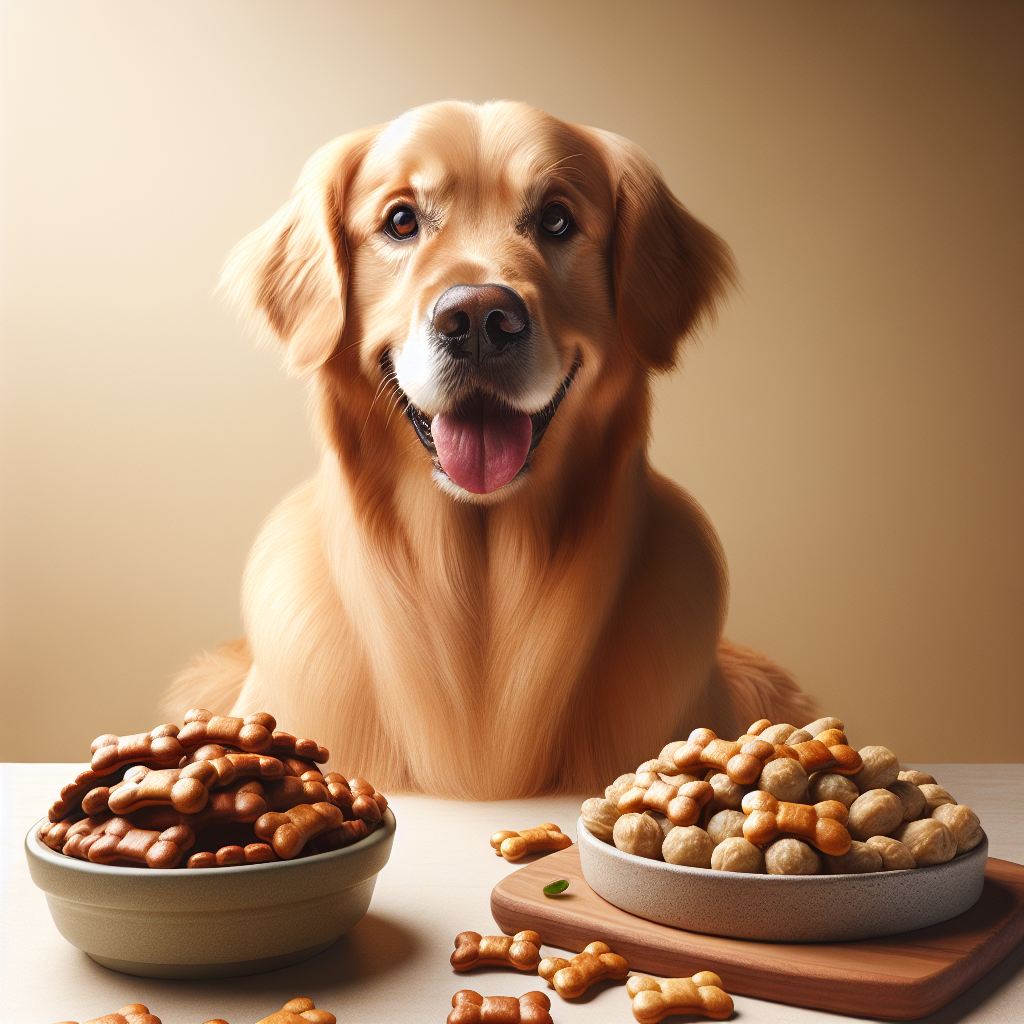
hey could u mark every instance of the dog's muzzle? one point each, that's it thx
(482, 334)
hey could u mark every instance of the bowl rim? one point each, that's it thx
(35, 847)
(762, 878)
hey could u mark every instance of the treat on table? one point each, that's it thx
(211, 794)
(571, 978)
(521, 951)
(544, 838)
(782, 800)
(470, 1007)
(132, 1013)
(657, 998)
(296, 1011)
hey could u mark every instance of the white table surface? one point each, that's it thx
(393, 966)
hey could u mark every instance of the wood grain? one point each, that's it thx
(900, 977)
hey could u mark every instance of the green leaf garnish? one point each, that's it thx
(556, 887)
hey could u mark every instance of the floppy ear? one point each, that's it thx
(670, 270)
(289, 276)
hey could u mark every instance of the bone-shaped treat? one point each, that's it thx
(657, 998)
(185, 789)
(284, 744)
(120, 841)
(815, 756)
(741, 761)
(470, 1007)
(295, 1011)
(79, 831)
(133, 1013)
(54, 833)
(299, 1011)
(241, 802)
(514, 845)
(521, 951)
(232, 856)
(571, 978)
(159, 748)
(70, 798)
(235, 765)
(347, 833)
(837, 757)
(289, 791)
(253, 734)
(680, 804)
(822, 825)
(289, 832)
(338, 791)
(297, 766)
(367, 804)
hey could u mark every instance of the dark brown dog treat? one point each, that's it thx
(70, 799)
(240, 802)
(159, 748)
(288, 833)
(119, 841)
(54, 833)
(470, 1007)
(252, 734)
(286, 745)
(367, 804)
(233, 856)
(339, 792)
(288, 792)
(297, 766)
(79, 831)
(347, 833)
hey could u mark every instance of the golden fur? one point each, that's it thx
(556, 632)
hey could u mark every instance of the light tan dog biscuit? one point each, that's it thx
(514, 845)
(657, 998)
(681, 804)
(571, 978)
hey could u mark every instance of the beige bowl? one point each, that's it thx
(782, 908)
(213, 922)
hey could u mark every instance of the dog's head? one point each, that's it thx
(478, 265)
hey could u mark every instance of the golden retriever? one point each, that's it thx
(486, 591)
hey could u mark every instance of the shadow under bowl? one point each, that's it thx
(209, 922)
(783, 908)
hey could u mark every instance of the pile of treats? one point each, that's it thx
(785, 801)
(652, 999)
(220, 791)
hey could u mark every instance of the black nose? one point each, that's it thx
(476, 321)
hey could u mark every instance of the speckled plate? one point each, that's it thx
(209, 922)
(782, 908)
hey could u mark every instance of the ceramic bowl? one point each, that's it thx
(782, 908)
(212, 922)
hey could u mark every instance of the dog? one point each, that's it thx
(486, 592)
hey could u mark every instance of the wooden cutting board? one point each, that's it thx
(900, 977)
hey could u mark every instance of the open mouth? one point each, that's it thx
(483, 443)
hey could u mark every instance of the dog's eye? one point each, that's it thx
(401, 223)
(555, 219)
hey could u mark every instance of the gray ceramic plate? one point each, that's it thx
(213, 922)
(782, 908)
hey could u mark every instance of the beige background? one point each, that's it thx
(853, 425)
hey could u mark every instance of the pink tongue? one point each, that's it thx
(482, 448)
